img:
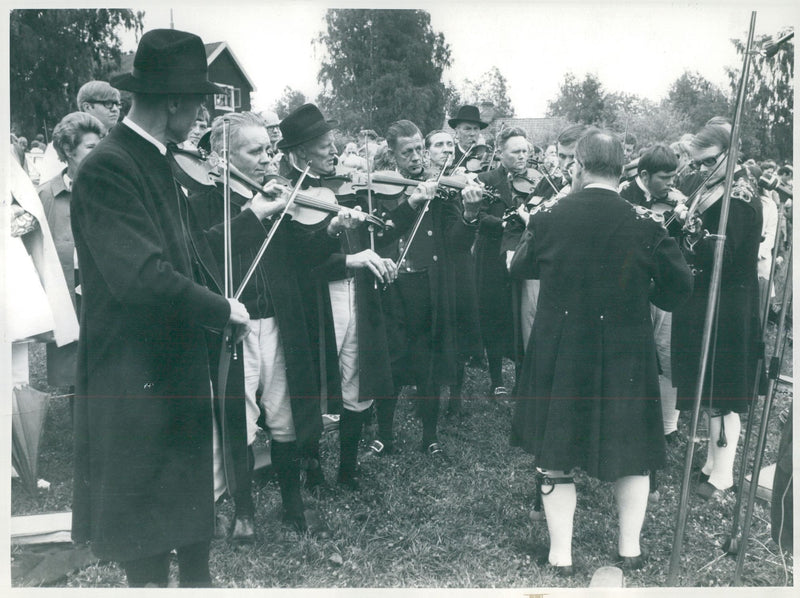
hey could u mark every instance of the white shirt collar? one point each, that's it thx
(642, 187)
(600, 186)
(162, 149)
(67, 182)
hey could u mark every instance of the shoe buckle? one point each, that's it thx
(376, 446)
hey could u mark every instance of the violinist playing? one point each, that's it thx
(731, 373)
(347, 286)
(278, 357)
(440, 148)
(151, 290)
(493, 281)
(652, 189)
(420, 304)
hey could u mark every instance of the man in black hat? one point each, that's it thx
(468, 125)
(347, 312)
(143, 412)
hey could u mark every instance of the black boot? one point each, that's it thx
(315, 477)
(349, 437)
(243, 529)
(286, 464)
(384, 413)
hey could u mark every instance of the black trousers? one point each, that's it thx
(154, 570)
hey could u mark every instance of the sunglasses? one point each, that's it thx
(709, 162)
(108, 104)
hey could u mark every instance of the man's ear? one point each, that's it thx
(173, 103)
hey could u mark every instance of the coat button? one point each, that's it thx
(435, 258)
(566, 313)
(148, 385)
(430, 233)
(601, 316)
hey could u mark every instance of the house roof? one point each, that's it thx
(213, 50)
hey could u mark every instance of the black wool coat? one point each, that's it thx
(450, 235)
(589, 394)
(491, 274)
(738, 332)
(280, 276)
(143, 412)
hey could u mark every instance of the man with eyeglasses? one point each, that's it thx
(100, 100)
(731, 373)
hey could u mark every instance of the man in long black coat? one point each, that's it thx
(491, 273)
(143, 415)
(589, 394)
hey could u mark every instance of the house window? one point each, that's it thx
(226, 99)
(237, 98)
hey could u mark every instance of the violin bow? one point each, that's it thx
(464, 156)
(273, 229)
(370, 227)
(228, 349)
(421, 216)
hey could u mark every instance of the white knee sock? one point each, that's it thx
(721, 475)
(559, 509)
(713, 435)
(631, 494)
(669, 397)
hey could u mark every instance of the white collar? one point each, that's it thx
(67, 182)
(600, 186)
(162, 149)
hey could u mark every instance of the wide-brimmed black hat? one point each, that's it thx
(304, 124)
(467, 114)
(168, 61)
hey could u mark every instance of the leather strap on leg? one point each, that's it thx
(542, 479)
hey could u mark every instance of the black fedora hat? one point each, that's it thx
(168, 61)
(467, 114)
(304, 124)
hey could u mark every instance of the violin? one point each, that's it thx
(524, 184)
(391, 184)
(197, 171)
(478, 162)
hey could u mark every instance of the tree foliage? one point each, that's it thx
(697, 98)
(490, 88)
(768, 115)
(288, 102)
(54, 52)
(382, 65)
(580, 101)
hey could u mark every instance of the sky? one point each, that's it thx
(636, 48)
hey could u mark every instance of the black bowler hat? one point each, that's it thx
(304, 124)
(467, 114)
(168, 61)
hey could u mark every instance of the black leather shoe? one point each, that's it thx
(380, 449)
(542, 558)
(348, 480)
(311, 521)
(631, 563)
(243, 530)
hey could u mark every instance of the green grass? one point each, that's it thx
(418, 523)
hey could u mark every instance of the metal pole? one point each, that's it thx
(774, 372)
(731, 545)
(713, 297)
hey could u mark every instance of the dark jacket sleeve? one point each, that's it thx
(523, 264)
(109, 214)
(672, 278)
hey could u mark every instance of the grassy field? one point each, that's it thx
(464, 523)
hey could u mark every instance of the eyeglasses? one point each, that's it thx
(709, 162)
(108, 104)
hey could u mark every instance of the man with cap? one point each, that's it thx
(467, 124)
(100, 100)
(143, 410)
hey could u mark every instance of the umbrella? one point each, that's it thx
(29, 411)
